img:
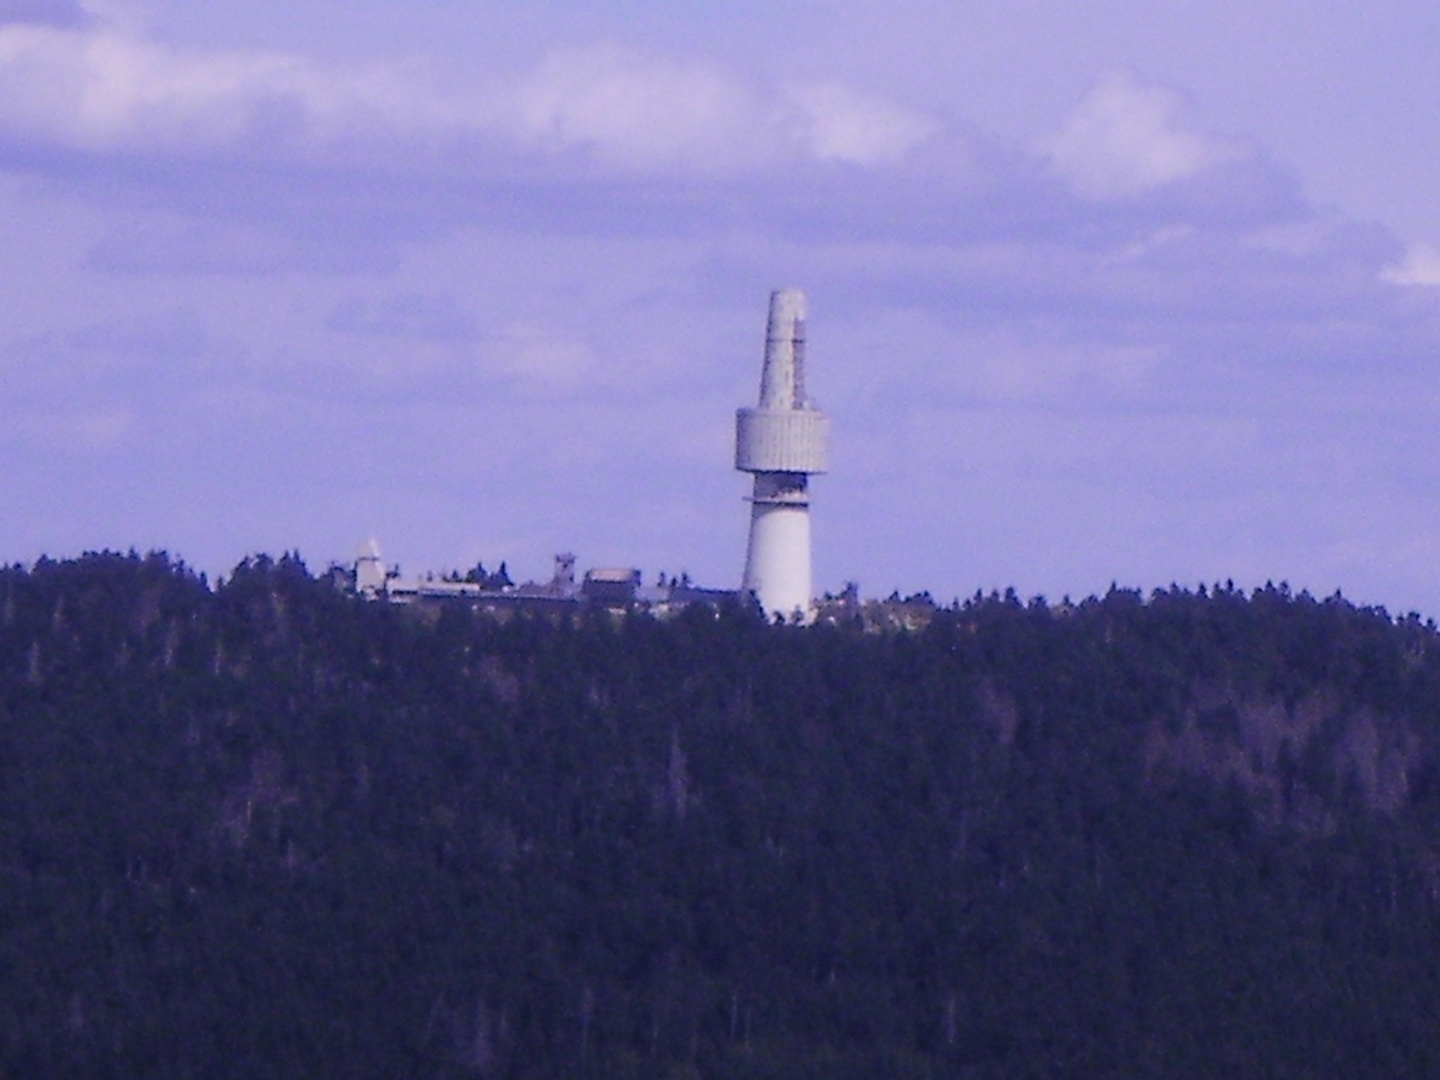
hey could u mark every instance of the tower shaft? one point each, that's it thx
(782, 442)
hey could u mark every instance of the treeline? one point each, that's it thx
(265, 829)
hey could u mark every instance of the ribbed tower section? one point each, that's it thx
(783, 441)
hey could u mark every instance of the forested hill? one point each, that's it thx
(266, 830)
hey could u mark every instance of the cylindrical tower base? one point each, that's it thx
(777, 564)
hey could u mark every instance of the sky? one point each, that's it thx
(1134, 293)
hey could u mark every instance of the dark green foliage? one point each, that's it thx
(270, 830)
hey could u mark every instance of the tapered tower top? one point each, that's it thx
(784, 432)
(782, 379)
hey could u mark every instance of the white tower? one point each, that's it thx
(782, 442)
(369, 570)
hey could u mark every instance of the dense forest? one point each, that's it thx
(261, 828)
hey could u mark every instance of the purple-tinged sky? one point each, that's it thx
(1138, 292)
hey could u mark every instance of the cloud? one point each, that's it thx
(103, 89)
(1127, 137)
(1420, 266)
(840, 124)
(641, 110)
(631, 109)
(540, 362)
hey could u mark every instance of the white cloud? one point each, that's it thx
(1420, 266)
(633, 109)
(839, 124)
(540, 362)
(639, 110)
(104, 88)
(1127, 137)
